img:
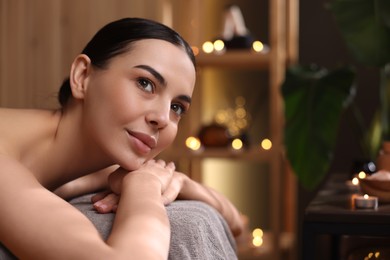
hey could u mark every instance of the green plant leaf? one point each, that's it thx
(314, 99)
(364, 27)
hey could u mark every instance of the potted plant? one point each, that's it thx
(315, 98)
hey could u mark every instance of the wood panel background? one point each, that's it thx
(40, 38)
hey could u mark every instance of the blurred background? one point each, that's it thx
(40, 38)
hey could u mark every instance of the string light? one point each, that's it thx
(237, 144)
(257, 235)
(208, 47)
(266, 144)
(219, 45)
(193, 143)
(257, 46)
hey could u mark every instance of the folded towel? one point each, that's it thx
(198, 231)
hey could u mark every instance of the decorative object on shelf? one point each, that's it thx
(365, 202)
(377, 184)
(236, 120)
(235, 35)
(229, 128)
(214, 135)
(353, 185)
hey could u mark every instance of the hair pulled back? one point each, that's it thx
(116, 37)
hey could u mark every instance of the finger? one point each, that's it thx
(99, 196)
(151, 161)
(171, 166)
(107, 204)
(161, 162)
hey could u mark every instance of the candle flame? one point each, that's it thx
(365, 196)
(362, 175)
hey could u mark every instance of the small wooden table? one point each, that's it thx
(331, 212)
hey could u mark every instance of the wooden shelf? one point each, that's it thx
(215, 70)
(241, 59)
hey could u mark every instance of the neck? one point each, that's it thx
(71, 153)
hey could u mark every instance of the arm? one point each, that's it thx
(85, 184)
(36, 224)
(182, 187)
(195, 191)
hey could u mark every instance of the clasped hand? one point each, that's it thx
(171, 184)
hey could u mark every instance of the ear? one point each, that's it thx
(80, 70)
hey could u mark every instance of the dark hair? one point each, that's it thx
(116, 37)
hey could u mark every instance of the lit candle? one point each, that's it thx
(366, 202)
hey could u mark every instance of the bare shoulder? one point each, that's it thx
(35, 222)
(19, 126)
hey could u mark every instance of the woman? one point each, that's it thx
(121, 107)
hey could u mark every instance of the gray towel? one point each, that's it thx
(198, 230)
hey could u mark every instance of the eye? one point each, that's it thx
(179, 109)
(146, 85)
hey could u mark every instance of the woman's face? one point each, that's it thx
(132, 109)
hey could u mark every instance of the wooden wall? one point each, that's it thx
(40, 38)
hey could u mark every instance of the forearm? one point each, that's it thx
(141, 227)
(85, 184)
(196, 191)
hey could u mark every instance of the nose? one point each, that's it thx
(159, 116)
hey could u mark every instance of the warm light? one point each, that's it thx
(242, 123)
(240, 112)
(237, 144)
(257, 46)
(257, 232)
(193, 143)
(365, 196)
(257, 241)
(219, 45)
(377, 254)
(362, 175)
(195, 50)
(266, 144)
(355, 181)
(208, 47)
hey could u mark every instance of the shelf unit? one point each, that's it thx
(283, 51)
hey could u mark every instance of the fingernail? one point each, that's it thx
(100, 206)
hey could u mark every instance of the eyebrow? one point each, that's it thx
(154, 72)
(185, 98)
(161, 80)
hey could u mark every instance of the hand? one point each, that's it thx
(105, 202)
(171, 185)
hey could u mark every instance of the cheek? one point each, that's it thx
(167, 136)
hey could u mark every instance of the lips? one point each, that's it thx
(143, 142)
